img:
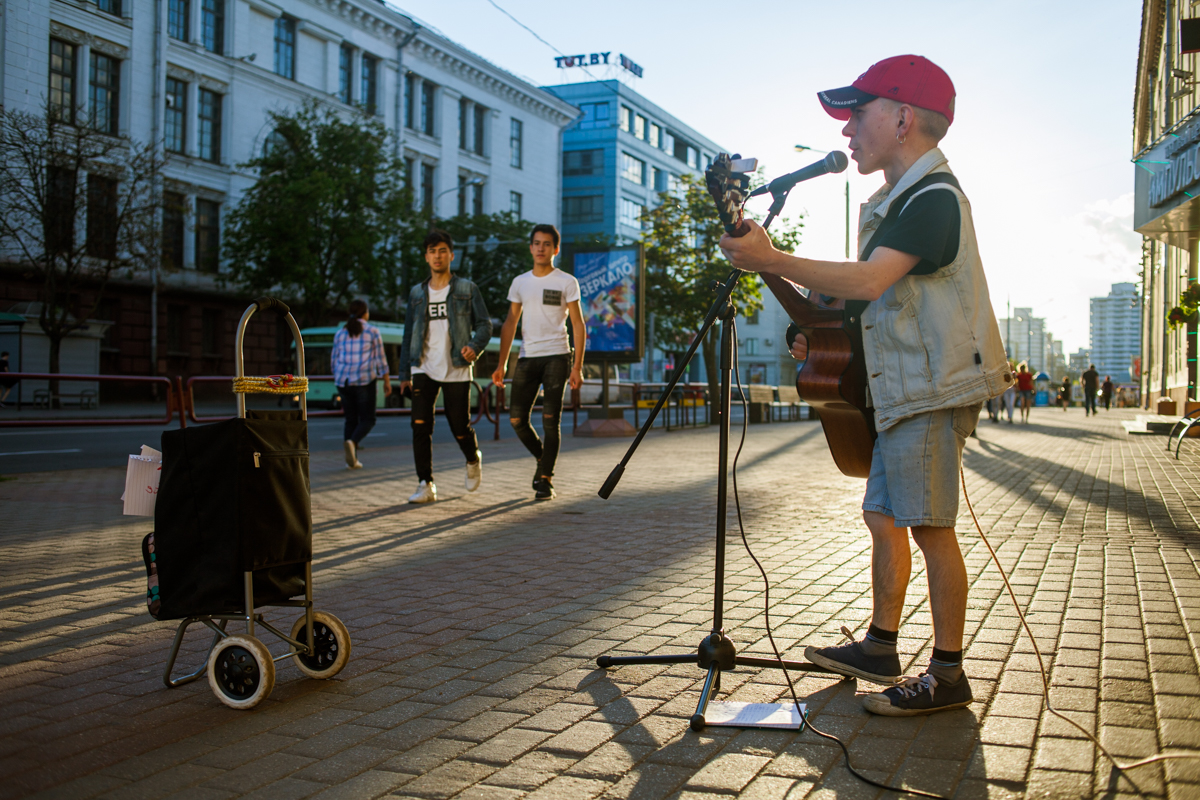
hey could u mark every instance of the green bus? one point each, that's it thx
(318, 352)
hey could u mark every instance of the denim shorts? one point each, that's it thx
(914, 468)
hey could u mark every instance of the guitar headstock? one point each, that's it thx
(728, 181)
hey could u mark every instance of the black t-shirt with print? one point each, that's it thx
(927, 228)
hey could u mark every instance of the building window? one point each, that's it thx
(752, 317)
(583, 209)
(345, 62)
(101, 217)
(208, 235)
(693, 158)
(583, 162)
(177, 19)
(410, 165)
(595, 115)
(427, 187)
(655, 137)
(210, 126)
(674, 185)
(285, 47)
(62, 81)
(104, 93)
(480, 130)
(660, 180)
(427, 118)
(464, 118)
(631, 213)
(212, 25)
(462, 194)
(174, 212)
(370, 84)
(210, 332)
(477, 200)
(626, 119)
(514, 204)
(668, 141)
(752, 347)
(410, 89)
(175, 137)
(111, 6)
(275, 143)
(177, 330)
(639, 126)
(516, 137)
(633, 169)
(60, 209)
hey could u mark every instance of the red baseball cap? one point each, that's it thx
(907, 79)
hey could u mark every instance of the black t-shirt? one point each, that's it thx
(927, 228)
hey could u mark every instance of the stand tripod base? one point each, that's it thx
(715, 653)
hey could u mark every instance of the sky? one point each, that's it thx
(1041, 139)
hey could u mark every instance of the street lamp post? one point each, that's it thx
(459, 188)
(800, 148)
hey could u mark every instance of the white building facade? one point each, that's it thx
(1116, 331)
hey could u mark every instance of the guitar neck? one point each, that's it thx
(803, 312)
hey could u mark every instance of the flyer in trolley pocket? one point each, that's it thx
(141, 482)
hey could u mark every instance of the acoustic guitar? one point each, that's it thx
(833, 380)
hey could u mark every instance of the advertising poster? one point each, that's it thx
(611, 287)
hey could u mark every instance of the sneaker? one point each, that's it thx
(475, 472)
(351, 452)
(426, 493)
(849, 659)
(537, 476)
(543, 489)
(921, 695)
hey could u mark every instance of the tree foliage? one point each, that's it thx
(329, 217)
(683, 259)
(492, 266)
(76, 206)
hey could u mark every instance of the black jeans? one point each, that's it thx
(1089, 399)
(457, 400)
(358, 404)
(550, 373)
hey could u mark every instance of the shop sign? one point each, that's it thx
(1182, 170)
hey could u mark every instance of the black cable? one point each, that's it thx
(737, 504)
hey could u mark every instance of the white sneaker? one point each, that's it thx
(426, 493)
(475, 472)
(351, 452)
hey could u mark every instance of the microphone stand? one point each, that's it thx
(715, 653)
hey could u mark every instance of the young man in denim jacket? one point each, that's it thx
(933, 355)
(446, 328)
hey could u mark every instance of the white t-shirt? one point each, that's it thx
(544, 311)
(435, 360)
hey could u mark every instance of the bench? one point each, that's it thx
(86, 399)
(789, 401)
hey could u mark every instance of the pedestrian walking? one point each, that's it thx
(1008, 400)
(358, 362)
(546, 296)
(911, 231)
(1064, 392)
(446, 327)
(6, 383)
(1091, 387)
(1025, 390)
(1106, 392)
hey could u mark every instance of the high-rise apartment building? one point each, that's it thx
(1116, 322)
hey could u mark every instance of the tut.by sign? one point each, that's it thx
(597, 59)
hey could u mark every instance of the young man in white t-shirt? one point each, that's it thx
(546, 296)
(446, 328)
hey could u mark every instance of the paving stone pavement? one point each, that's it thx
(476, 622)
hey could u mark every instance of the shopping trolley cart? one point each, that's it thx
(233, 533)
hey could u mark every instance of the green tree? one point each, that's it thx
(328, 218)
(682, 261)
(490, 264)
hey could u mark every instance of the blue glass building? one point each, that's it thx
(618, 156)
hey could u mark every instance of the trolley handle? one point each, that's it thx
(269, 303)
(265, 304)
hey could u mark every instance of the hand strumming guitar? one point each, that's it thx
(752, 251)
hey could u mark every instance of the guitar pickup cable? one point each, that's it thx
(806, 718)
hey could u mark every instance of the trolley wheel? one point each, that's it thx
(241, 671)
(331, 641)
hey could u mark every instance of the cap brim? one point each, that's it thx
(838, 103)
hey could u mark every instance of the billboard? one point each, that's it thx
(612, 292)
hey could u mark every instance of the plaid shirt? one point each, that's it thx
(358, 360)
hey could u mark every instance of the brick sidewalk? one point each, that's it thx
(476, 622)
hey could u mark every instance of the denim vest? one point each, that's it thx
(470, 324)
(931, 341)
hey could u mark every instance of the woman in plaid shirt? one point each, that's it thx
(358, 361)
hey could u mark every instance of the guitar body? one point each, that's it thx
(834, 377)
(833, 380)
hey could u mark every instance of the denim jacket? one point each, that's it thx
(470, 324)
(931, 341)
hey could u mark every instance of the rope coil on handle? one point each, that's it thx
(272, 384)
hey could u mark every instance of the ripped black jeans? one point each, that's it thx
(457, 399)
(550, 373)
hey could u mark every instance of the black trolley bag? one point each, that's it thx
(233, 533)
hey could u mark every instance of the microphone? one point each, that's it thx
(834, 162)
